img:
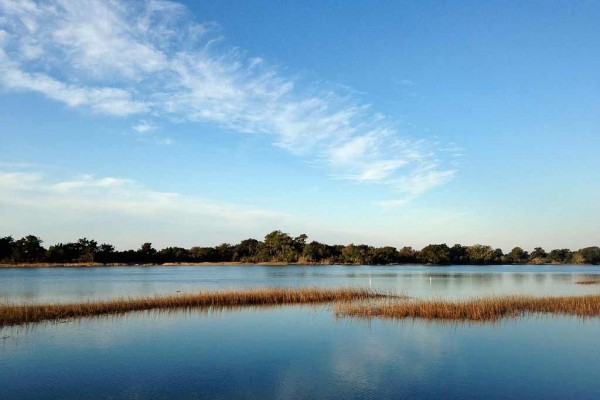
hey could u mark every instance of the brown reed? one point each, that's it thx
(478, 309)
(589, 282)
(12, 314)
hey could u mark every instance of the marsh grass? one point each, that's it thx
(13, 314)
(589, 282)
(479, 309)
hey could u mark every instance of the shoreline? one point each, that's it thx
(237, 263)
(167, 264)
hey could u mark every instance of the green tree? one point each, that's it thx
(246, 250)
(146, 252)
(279, 246)
(590, 255)
(300, 242)
(106, 253)
(7, 246)
(385, 255)
(29, 249)
(224, 252)
(172, 254)
(497, 256)
(360, 254)
(408, 255)
(203, 254)
(538, 255)
(516, 256)
(60, 253)
(459, 255)
(86, 250)
(317, 252)
(480, 254)
(560, 256)
(436, 254)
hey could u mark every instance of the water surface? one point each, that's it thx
(297, 351)
(75, 284)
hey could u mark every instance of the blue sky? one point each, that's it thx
(388, 123)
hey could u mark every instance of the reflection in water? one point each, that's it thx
(299, 352)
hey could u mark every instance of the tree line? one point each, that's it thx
(279, 246)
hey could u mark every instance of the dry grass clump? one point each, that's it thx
(589, 282)
(480, 309)
(12, 314)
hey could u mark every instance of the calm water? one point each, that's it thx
(69, 284)
(297, 352)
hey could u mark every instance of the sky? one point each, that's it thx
(385, 123)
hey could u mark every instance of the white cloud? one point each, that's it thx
(114, 194)
(105, 100)
(424, 180)
(97, 37)
(145, 129)
(124, 212)
(101, 205)
(88, 181)
(17, 180)
(152, 60)
(144, 126)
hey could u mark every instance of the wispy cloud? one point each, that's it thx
(152, 60)
(146, 131)
(144, 127)
(99, 206)
(113, 194)
(125, 212)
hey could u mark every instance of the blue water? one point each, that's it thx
(297, 352)
(75, 284)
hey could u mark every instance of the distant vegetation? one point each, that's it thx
(280, 247)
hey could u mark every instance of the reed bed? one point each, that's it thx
(479, 309)
(13, 314)
(589, 282)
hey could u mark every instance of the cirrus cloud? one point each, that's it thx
(153, 60)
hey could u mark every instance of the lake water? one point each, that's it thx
(76, 284)
(297, 351)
